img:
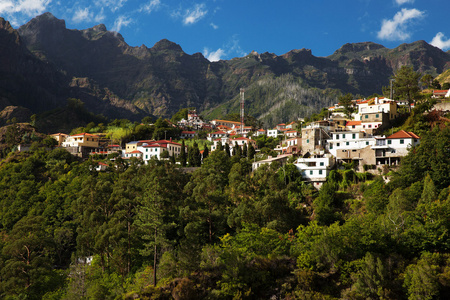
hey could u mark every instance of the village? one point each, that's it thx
(315, 148)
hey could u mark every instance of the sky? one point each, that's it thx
(224, 29)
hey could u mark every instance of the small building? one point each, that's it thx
(188, 134)
(315, 169)
(216, 135)
(282, 159)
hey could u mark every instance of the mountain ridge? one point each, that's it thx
(100, 68)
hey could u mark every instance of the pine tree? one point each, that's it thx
(251, 151)
(183, 154)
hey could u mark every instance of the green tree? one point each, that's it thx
(406, 84)
(183, 154)
(251, 151)
(346, 102)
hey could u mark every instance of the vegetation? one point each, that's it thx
(223, 232)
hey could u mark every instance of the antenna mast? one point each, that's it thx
(242, 110)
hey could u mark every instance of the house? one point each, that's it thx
(273, 132)
(315, 169)
(290, 146)
(101, 166)
(81, 144)
(188, 134)
(353, 126)
(134, 153)
(291, 133)
(314, 138)
(441, 93)
(376, 112)
(131, 146)
(216, 135)
(232, 142)
(231, 124)
(281, 126)
(155, 149)
(282, 159)
(260, 132)
(59, 137)
(348, 140)
(389, 150)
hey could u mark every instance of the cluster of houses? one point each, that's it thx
(317, 147)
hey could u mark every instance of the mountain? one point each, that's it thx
(119, 81)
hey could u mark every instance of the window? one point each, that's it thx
(364, 126)
(389, 142)
(331, 146)
(343, 136)
(338, 144)
(366, 116)
(322, 163)
(367, 143)
(347, 143)
(377, 116)
(310, 172)
(320, 172)
(337, 136)
(354, 136)
(307, 141)
(402, 141)
(353, 126)
(370, 126)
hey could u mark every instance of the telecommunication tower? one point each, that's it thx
(242, 110)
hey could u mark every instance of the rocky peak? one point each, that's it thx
(165, 44)
(45, 27)
(359, 47)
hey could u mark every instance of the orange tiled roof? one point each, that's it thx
(403, 135)
(351, 123)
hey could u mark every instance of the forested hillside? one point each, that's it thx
(223, 232)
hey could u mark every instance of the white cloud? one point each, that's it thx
(401, 2)
(150, 6)
(114, 5)
(397, 28)
(193, 15)
(120, 22)
(441, 41)
(231, 48)
(214, 55)
(214, 26)
(82, 15)
(100, 17)
(30, 8)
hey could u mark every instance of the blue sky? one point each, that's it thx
(223, 29)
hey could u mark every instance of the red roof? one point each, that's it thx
(218, 132)
(440, 91)
(261, 130)
(188, 132)
(403, 135)
(351, 123)
(135, 151)
(84, 133)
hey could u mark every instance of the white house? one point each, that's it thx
(273, 132)
(216, 135)
(82, 139)
(348, 140)
(155, 149)
(389, 150)
(315, 169)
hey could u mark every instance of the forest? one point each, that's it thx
(222, 231)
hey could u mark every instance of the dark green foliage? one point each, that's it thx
(183, 157)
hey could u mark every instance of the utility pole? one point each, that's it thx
(391, 95)
(242, 110)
